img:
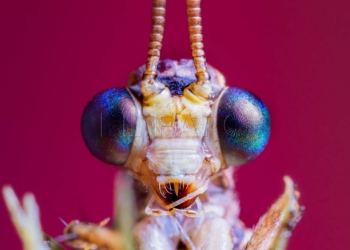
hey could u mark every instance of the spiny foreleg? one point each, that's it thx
(274, 228)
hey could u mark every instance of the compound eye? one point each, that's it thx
(243, 125)
(108, 125)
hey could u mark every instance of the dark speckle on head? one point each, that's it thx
(176, 75)
(165, 65)
(173, 75)
(176, 84)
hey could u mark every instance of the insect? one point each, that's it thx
(180, 132)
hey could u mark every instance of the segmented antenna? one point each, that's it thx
(149, 85)
(202, 87)
(155, 44)
(196, 37)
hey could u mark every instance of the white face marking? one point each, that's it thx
(175, 156)
(176, 117)
(176, 127)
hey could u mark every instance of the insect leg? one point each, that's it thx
(275, 226)
(157, 233)
(92, 234)
(211, 232)
(120, 237)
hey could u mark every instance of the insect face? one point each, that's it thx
(175, 141)
(176, 127)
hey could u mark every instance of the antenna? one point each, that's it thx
(151, 87)
(202, 87)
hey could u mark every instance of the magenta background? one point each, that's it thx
(55, 55)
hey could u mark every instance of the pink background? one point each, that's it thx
(55, 55)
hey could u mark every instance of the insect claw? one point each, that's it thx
(63, 221)
(104, 222)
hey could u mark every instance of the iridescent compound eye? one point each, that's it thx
(243, 125)
(108, 125)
